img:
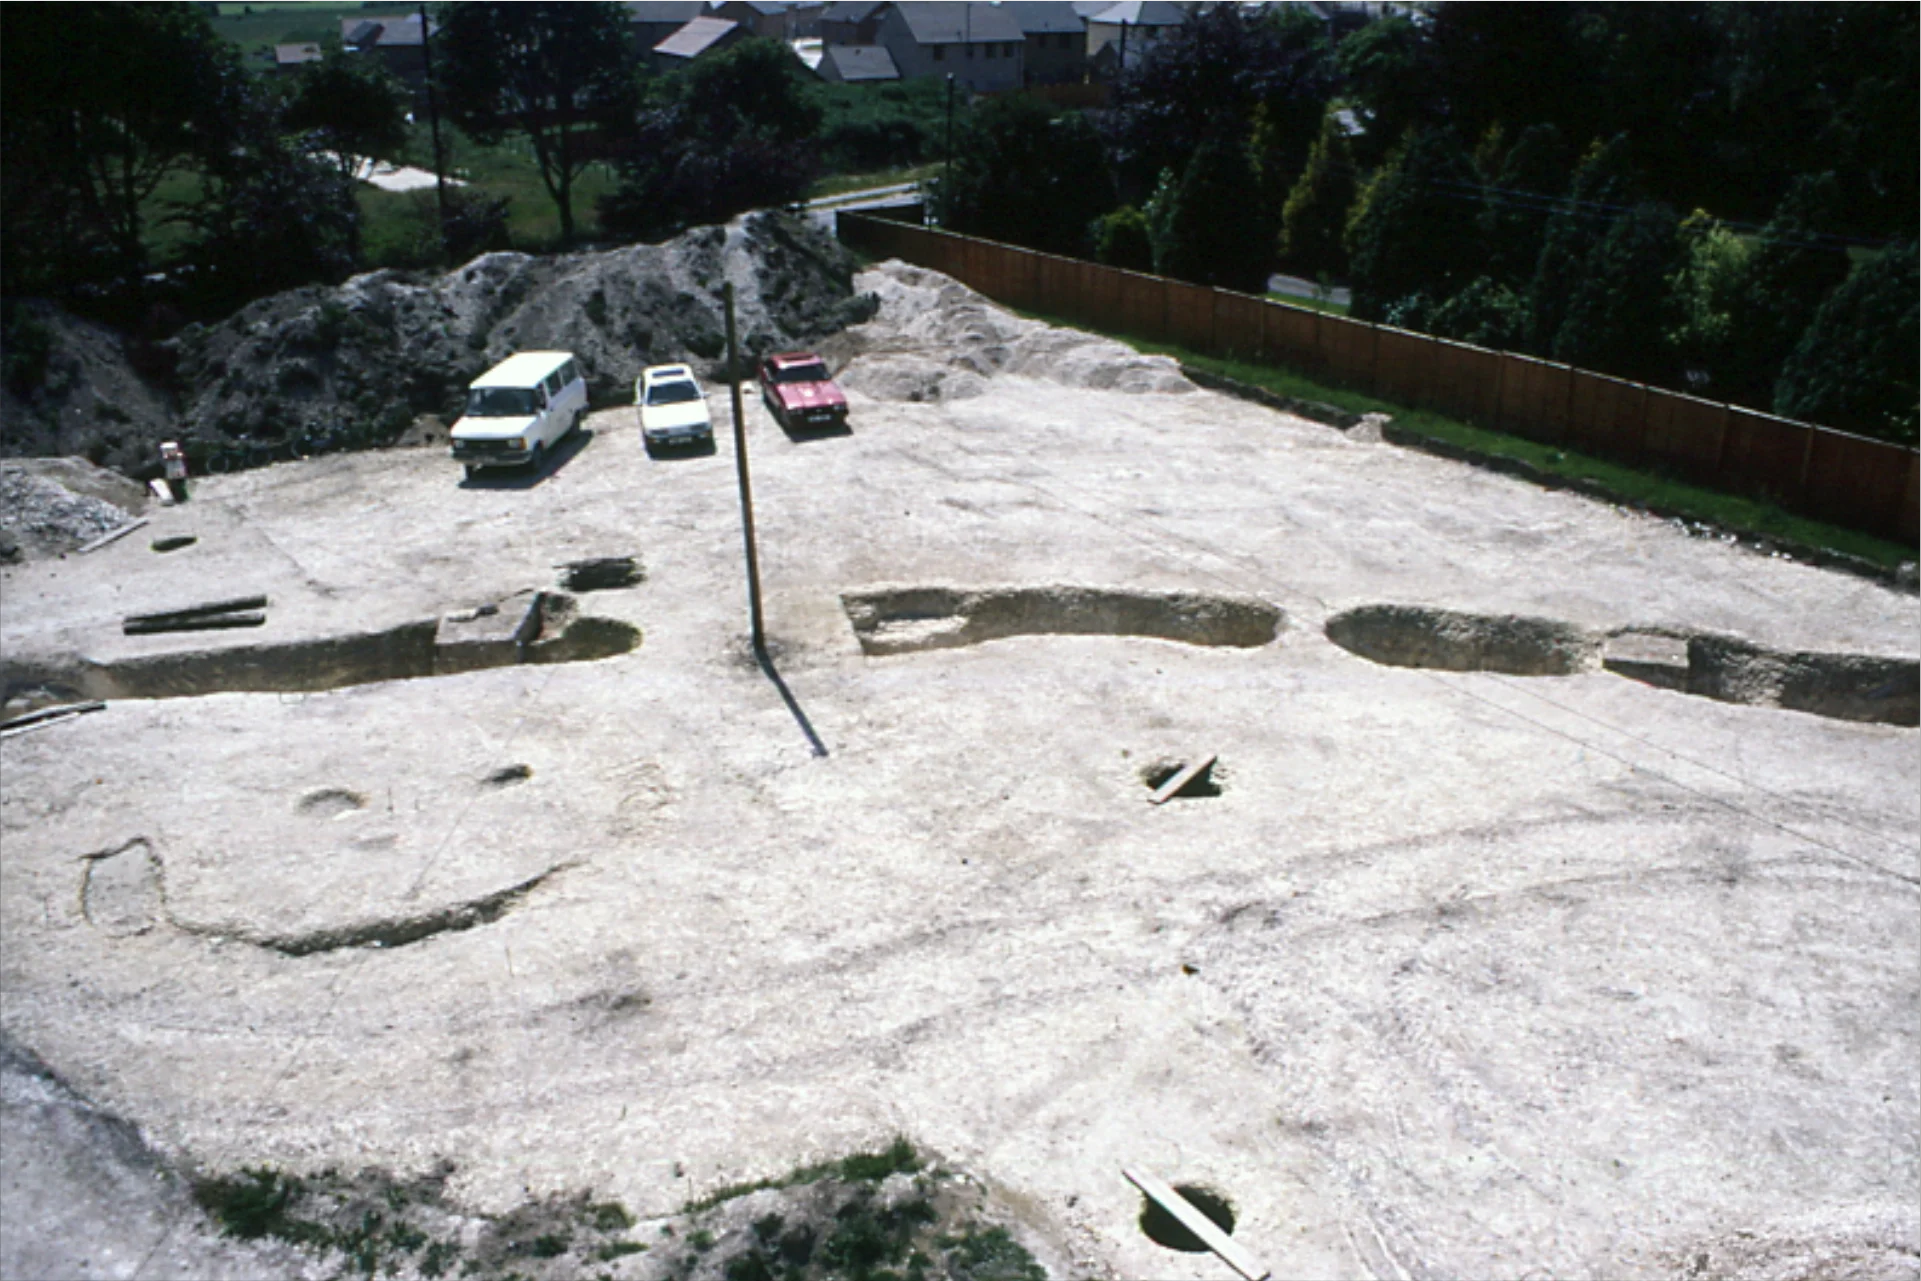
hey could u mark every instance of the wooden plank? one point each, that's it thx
(201, 611)
(193, 623)
(111, 535)
(1167, 790)
(1230, 1251)
(47, 715)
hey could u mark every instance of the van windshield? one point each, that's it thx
(676, 393)
(499, 402)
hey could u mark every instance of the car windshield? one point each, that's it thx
(813, 372)
(675, 393)
(499, 402)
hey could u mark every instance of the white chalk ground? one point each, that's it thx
(1461, 975)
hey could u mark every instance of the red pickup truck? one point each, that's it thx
(799, 392)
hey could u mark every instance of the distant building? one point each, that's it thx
(652, 21)
(851, 23)
(1130, 30)
(980, 45)
(856, 64)
(1055, 36)
(288, 58)
(768, 18)
(803, 20)
(393, 38)
(701, 36)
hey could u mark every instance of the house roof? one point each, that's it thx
(292, 55)
(1142, 13)
(696, 38)
(862, 62)
(1038, 16)
(381, 29)
(846, 11)
(661, 11)
(937, 22)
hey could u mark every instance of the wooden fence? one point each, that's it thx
(1848, 480)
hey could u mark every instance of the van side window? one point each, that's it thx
(540, 394)
(553, 383)
(568, 373)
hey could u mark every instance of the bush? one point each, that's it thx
(1121, 239)
(1854, 368)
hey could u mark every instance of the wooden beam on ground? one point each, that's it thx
(46, 716)
(191, 623)
(202, 611)
(1199, 1224)
(111, 535)
(1188, 773)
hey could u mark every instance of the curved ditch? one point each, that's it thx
(1417, 636)
(1854, 687)
(542, 627)
(900, 620)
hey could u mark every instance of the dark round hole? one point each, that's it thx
(174, 542)
(1163, 1228)
(1159, 772)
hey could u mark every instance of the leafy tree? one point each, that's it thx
(1487, 313)
(557, 73)
(1026, 175)
(1706, 290)
(1205, 233)
(1604, 186)
(274, 214)
(1209, 77)
(1521, 193)
(1417, 230)
(99, 103)
(352, 104)
(1854, 368)
(1315, 216)
(1388, 68)
(1790, 272)
(1123, 239)
(1621, 310)
(757, 87)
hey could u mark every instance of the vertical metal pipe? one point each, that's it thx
(740, 466)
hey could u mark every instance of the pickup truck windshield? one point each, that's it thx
(499, 402)
(814, 373)
(672, 393)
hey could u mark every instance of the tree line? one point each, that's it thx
(1715, 198)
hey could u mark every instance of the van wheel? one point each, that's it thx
(471, 470)
(539, 459)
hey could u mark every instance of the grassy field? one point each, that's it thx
(837, 184)
(260, 26)
(1744, 516)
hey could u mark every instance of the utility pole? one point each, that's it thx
(433, 123)
(947, 169)
(746, 488)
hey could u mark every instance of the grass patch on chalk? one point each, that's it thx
(898, 1157)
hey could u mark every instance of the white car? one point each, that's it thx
(673, 408)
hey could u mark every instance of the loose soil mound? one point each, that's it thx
(72, 388)
(923, 311)
(901, 620)
(53, 505)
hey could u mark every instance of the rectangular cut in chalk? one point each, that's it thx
(1199, 1224)
(1172, 787)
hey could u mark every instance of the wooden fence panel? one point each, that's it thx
(1190, 316)
(1466, 381)
(1765, 455)
(1291, 335)
(1102, 291)
(1237, 325)
(1403, 366)
(1534, 398)
(1143, 310)
(1864, 483)
(1684, 433)
(1347, 348)
(1605, 414)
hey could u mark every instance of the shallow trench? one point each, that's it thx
(1852, 687)
(899, 620)
(407, 652)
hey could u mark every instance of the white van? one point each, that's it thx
(518, 409)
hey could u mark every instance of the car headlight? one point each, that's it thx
(518, 442)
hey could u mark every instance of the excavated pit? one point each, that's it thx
(900, 620)
(1416, 636)
(411, 651)
(1852, 687)
(1163, 1229)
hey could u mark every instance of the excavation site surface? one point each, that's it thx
(1541, 897)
